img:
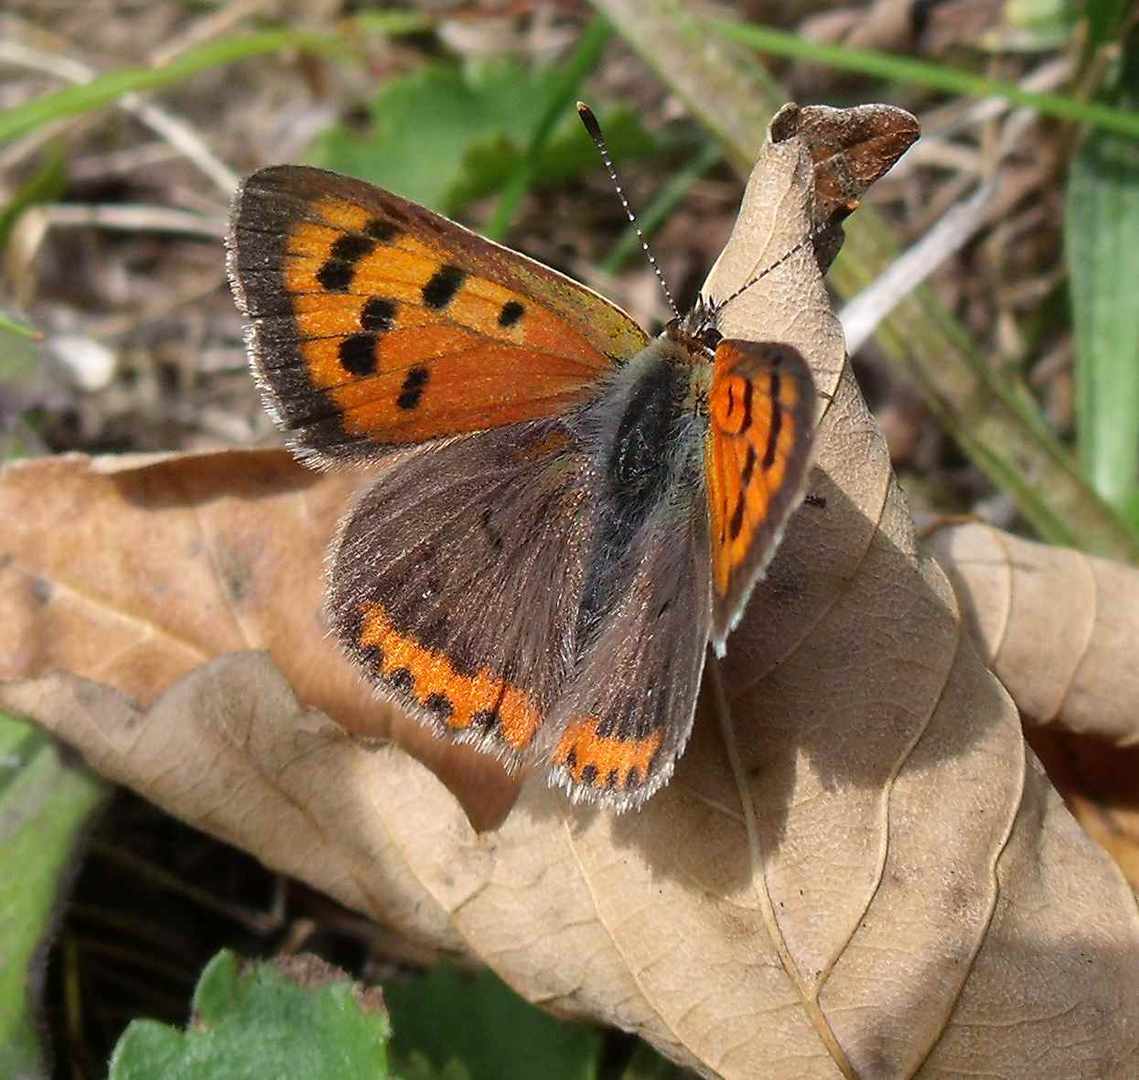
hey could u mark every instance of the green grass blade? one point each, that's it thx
(45, 800)
(17, 328)
(905, 69)
(561, 96)
(104, 89)
(1101, 235)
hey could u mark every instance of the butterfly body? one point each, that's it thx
(583, 511)
(644, 436)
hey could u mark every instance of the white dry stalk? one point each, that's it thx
(32, 226)
(207, 28)
(862, 314)
(131, 217)
(176, 131)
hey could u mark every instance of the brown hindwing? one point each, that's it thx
(454, 588)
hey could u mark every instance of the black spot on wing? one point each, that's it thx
(511, 312)
(338, 270)
(371, 657)
(378, 315)
(444, 284)
(351, 247)
(776, 424)
(485, 719)
(749, 467)
(401, 679)
(335, 276)
(737, 522)
(440, 705)
(382, 231)
(412, 389)
(357, 354)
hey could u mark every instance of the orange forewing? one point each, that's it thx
(378, 323)
(761, 408)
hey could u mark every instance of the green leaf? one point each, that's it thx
(44, 802)
(298, 1019)
(1101, 235)
(477, 1022)
(444, 135)
(1037, 24)
(1105, 20)
(418, 1066)
(646, 1064)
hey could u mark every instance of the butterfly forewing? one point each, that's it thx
(377, 324)
(761, 412)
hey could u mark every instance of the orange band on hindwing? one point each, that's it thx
(605, 762)
(483, 702)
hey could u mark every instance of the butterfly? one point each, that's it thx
(572, 512)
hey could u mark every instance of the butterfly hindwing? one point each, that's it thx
(453, 585)
(376, 324)
(624, 719)
(761, 413)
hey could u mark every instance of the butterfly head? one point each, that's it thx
(697, 331)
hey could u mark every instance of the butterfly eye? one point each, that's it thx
(710, 337)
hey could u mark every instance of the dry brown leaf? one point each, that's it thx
(135, 571)
(1058, 627)
(893, 889)
(1098, 782)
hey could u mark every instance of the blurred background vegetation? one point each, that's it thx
(990, 290)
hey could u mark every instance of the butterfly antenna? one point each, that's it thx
(810, 238)
(594, 129)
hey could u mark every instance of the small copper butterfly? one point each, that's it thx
(583, 510)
